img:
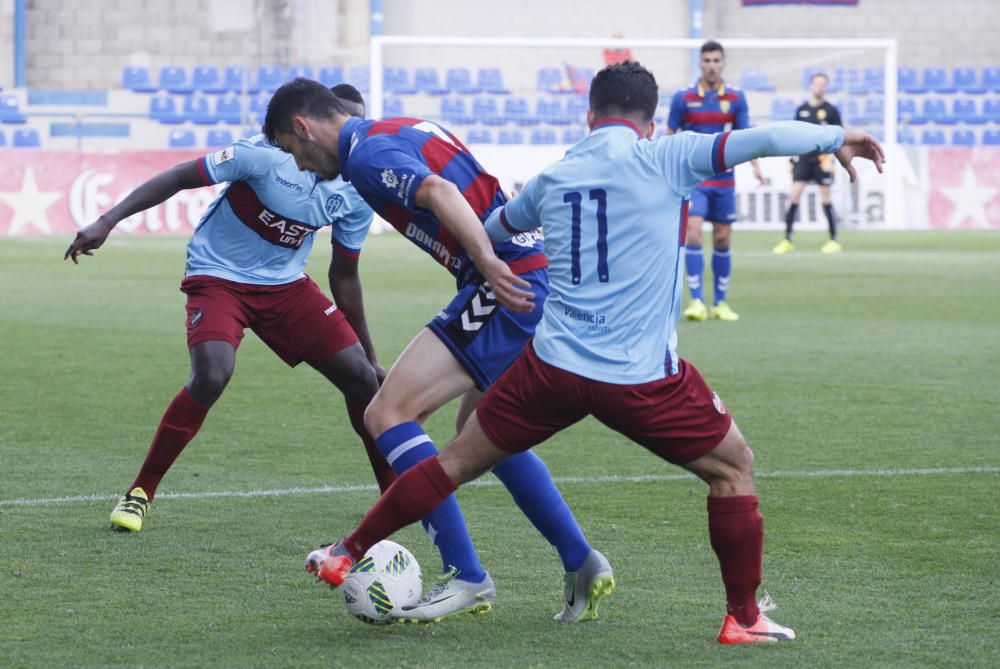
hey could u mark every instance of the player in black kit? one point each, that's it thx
(813, 167)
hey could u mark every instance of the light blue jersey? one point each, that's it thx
(614, 234)
(260, 228)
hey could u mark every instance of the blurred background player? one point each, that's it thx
(244, 269)
(710, 106)
(813, 167)
(427, 184)
(618, 255)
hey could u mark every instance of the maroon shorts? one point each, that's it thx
(678, 418)
(295, 319)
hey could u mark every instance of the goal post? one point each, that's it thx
(398, 51)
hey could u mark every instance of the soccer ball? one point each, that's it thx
(384, 580)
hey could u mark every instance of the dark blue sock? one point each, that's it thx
(404, 446)
(722, 266)
(695, 263)
(528, 480)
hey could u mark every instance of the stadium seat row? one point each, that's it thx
(23, 138)
(234, 79)
(931, 110)
(541, 136)
(186, 139)
(856, 81)
(515, 110)
(226, 109)
(10, 111)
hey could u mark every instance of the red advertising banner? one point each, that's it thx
(964, 187)
(59, 192)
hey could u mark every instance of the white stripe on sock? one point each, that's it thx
(397, 452)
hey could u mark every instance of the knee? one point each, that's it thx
(380, 416)
(206, 385)
(736, 476)
(361, 387)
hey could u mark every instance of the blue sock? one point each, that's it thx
(695, 263)
(406, 445)
(528, 480)
(722, 267)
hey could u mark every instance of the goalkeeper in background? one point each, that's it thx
(813, 167)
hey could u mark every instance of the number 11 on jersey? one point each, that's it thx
(575, 200)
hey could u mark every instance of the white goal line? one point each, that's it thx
(560, 480)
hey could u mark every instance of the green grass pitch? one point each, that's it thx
(867, 384)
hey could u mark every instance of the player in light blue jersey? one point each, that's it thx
(244, 269)
(606, 343)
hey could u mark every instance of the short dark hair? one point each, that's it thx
(299, 97)
(624, 89)
(818, 74)
(712, 45)
(349, 93)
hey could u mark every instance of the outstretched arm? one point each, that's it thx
(451, 208)
(148, 194)
(345, 286)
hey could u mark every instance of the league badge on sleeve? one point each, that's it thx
(223, 155)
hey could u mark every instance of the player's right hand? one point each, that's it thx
(858, 144)
(88, 239)
(507, 286)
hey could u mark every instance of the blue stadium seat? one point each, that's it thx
(486, 111)
(397, 80)
(576, 109)
(991, 110)
(991, 137)
(491, 81)
(206, 79)
(967, 82)
(3, 139)
(181, 139)
(174, 79)
(10, 110)
(392, 107)
(991, 79)
(299, 71)
(964, 111)
(579, 79)
(542, 136)
(573, 135)
(331, 76)
(783, 109)
(935, 110)
(459, 80)
(137, 79)
(936, 80)
(235, 78)
(426, 81)
(26, 138)
(755, 79)
(269, 77)
(479, 137)
(198, 110)
(163, 108)
(515, 110)
(906, 136)
(963, 137)
(359, 77)
(453, 111)
(218, 138)
(877, 132)
(909, 82)
(258, 107)
(874, 112)
(510, 137)
(907, 111)
(550, 80)
(229, 110)
(875, 79)
(932, 138)
(850, 112)
(857, 84)
(551, 111)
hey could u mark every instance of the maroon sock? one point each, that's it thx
(413, 496)
(180, 422)
(383, 472)
(736, 530)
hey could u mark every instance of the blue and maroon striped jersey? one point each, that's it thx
(710, 111)
(259, 230)
(386, 161)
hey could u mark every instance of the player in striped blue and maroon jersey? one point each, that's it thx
(421, 179)
(710, 107)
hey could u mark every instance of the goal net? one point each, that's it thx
(518, 103)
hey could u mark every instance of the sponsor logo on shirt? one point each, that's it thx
(287, 184)
(717, 403)
(223, 155)
(389, 179)
(435, 247)
(528, 239)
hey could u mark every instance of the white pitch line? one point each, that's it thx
(560, 480)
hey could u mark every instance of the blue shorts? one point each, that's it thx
(484, 336)
(716, 204)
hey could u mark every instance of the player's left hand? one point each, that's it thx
(859, 144)
(761, 179)
(507, 286)
(380, 372)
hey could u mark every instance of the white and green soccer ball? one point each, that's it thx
(386, 579)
